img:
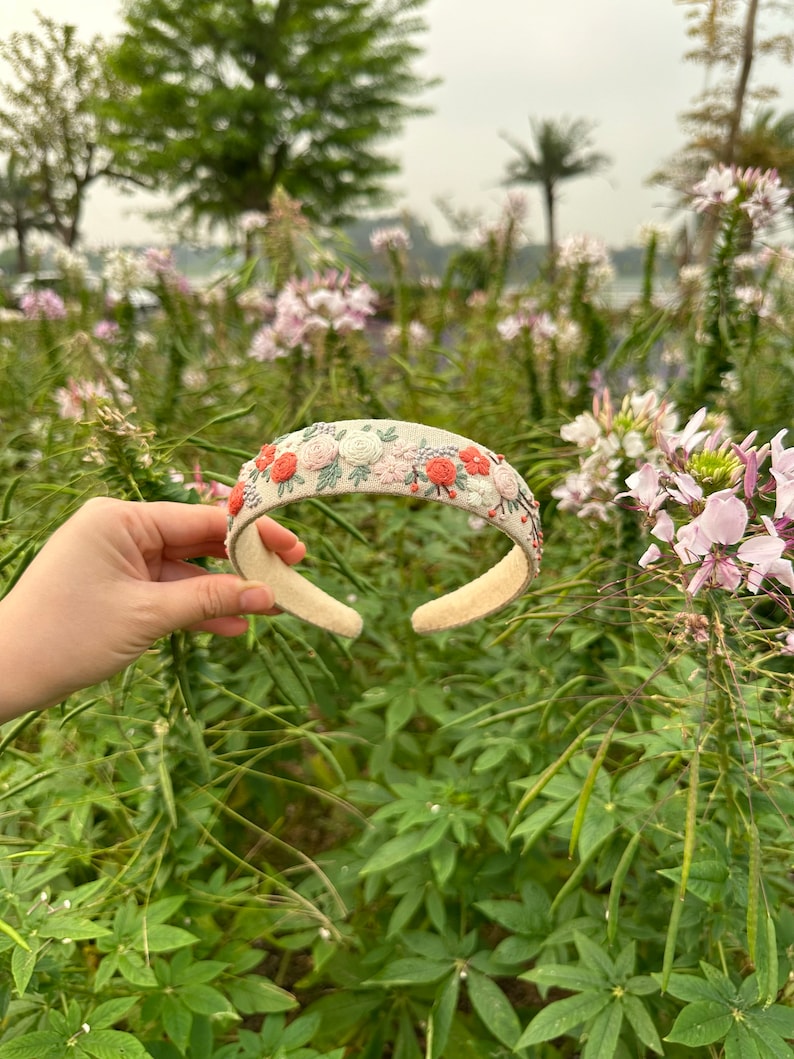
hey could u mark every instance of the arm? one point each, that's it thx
(108, 583)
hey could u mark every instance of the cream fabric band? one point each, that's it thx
(385, 456)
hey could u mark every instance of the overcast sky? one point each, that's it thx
(617, 62)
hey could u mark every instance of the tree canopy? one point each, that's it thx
(48, 126)
(229, 100)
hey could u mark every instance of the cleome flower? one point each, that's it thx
(760, 194)
(309, 307)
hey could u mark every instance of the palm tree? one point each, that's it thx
(769, 144)
(562, 150)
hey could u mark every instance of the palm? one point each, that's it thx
(561, 151)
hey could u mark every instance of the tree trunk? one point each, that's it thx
(22, 250)
(549, 204)
(740, 92)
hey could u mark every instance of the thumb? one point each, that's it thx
(203, 602)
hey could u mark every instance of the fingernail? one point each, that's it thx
(255, 598)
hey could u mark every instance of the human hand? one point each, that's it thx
(112, 580)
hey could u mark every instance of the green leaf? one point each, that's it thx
(164, 938)
(773, 1044)
(776, 1017)
(593, 955)
(105, 1016)
(641, 1022)
(706, 879)
(441, 1017)
(254, 995)
(23, 963)
(602, 1036)
(41, 1044)
(410, 971)
(565, 976)
(135, 971)
(110, 1044)
(691, 988)
(703, 1022)
(395, 851)
(177, 1020)
(75, 927)
(512, 915)
(443, 858)
(740, 1045)
(203, 999)
(563, 1016)
(493, 1008)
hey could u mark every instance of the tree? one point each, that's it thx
(21, 210)
(47, 122)
(562, 150)
(728, 40)
(228, 101)
(768, 143)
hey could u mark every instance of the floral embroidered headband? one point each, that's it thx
(385, 456)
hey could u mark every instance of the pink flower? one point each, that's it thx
(43, 304)
(723, 522)
(763, 554)
(644, 488)
(106, 331)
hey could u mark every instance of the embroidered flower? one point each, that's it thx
(506, 482)
(391, 470)
(441, 471)
(361, 447)
(236, 499)
(284, 467)
(405, 450)
(474, 461)
(266, 456)
(476, 496)
(318, 452)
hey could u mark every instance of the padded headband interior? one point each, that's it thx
(295, 595)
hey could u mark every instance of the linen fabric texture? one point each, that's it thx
(386, 457)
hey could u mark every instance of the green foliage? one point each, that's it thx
(228, 102)
(565, 830)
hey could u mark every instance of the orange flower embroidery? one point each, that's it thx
(474, 461)
(284, 467)
(236, 498)
(441, 471)
(266, 456)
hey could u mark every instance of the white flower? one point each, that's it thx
(476, 495)
(253, 221)
(395, 238)
(717, 187)
(584, 431)
(361, 447)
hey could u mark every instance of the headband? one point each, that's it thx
(384, 456)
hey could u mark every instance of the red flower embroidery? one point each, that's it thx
(266, 456)
(284, 467)
(441, 471)
(236, 499)
(474, 461)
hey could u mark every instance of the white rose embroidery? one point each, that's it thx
(361, 447)
(505, 481)
(318, 452)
